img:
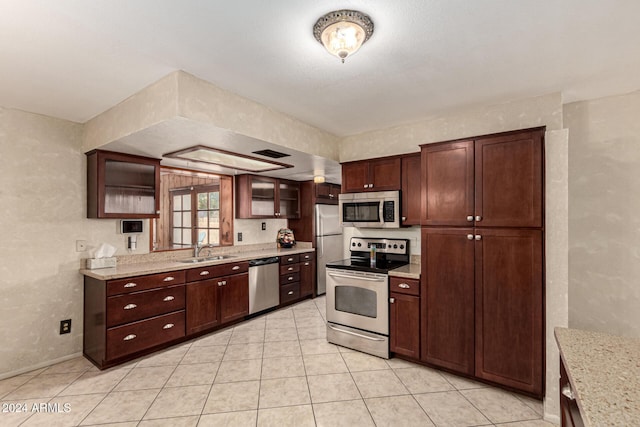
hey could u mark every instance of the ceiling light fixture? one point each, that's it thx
(229, 159)
(318, 179)
(342, 32)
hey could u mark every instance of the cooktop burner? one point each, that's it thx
(389, 254)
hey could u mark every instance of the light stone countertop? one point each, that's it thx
(161, 266)
(409, 271)
(604, 372)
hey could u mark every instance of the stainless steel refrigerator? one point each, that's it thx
(328, 241)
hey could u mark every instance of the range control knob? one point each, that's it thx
(353, 244)
(359, 244)
(395, 246)
(401, 246)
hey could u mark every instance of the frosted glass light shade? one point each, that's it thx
(342, 32)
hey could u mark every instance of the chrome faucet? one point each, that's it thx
(198, 248)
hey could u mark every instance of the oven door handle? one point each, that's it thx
(354, 333)
(368, 279)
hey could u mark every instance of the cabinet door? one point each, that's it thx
(411, 192)
(202, 305)
(448, 298)
(234, 297)
(405, 325)
(509, 180)
(327, 193)
(448, 184)
(509, 308)
(307, 278)
(288, 199)
(355, 176)
(122, 185)
(384, 174)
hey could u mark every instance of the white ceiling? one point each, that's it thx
(74, 59)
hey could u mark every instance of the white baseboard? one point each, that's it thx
(48, 363)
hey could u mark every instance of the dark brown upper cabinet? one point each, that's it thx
(411, 190)
(264, 197)
(122, 185)
(381, 174)
(493, 181)
(326, 194)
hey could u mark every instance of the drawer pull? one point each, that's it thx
(168, 326)
(290, 293)
(169, 298)
(290, 278)
(204, 273)
(235, 267)
(129, 337)
(131, 285)
(168, 279)
(130, 306)
(290, 269)
(306, 263)
(224, 282)
(404, 286)
(290, 259)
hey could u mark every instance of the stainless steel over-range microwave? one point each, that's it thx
(370, 210)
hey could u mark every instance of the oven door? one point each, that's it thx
(358, 299)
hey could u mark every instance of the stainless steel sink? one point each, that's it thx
(205, 259)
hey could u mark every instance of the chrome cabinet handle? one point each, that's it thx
(290, 293)
(289, 259)
(219, 283)
(204, 273)
(392, 300)
(478, 237)
(469, 218)
(130, 306)
(129, 337)
(235, 267)
(168, 279)
(404, 286)
(366, 186)
(290, 269)
(478, 218)
(307, 263)
(169, 298)
(404, 218)
(567, 392)
(131, 285)
(290, 278)
(168, 326)
(470, 236)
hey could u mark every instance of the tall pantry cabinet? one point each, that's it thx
(482, 257)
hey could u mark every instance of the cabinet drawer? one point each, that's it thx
(307, 257)
(288, 269)
(140, 305)
(201, 273)
(290, 259)
(141, 283)
(289, 278)
(127, 339)
(289, 292)
(404, 286)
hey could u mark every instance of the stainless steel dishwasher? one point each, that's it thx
(264, 284)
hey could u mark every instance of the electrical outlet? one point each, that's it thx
(81, 245)
(65, 326)
(264, 226)
(239, 237)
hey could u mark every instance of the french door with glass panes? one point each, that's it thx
(195, 216)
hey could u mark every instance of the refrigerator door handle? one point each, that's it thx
(321, 246)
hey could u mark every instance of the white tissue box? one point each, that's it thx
(95, 263)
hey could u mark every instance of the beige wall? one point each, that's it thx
(604, 220)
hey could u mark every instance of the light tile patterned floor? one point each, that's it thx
(274, 370)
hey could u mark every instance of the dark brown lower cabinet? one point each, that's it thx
(216, 301)
(448, 298)
(509, 308)
(405, 325)
(482, 304)
(202, 305)
(569, 411)
(307, 277)
(234, 297)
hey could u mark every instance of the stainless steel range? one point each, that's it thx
(358, 294)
